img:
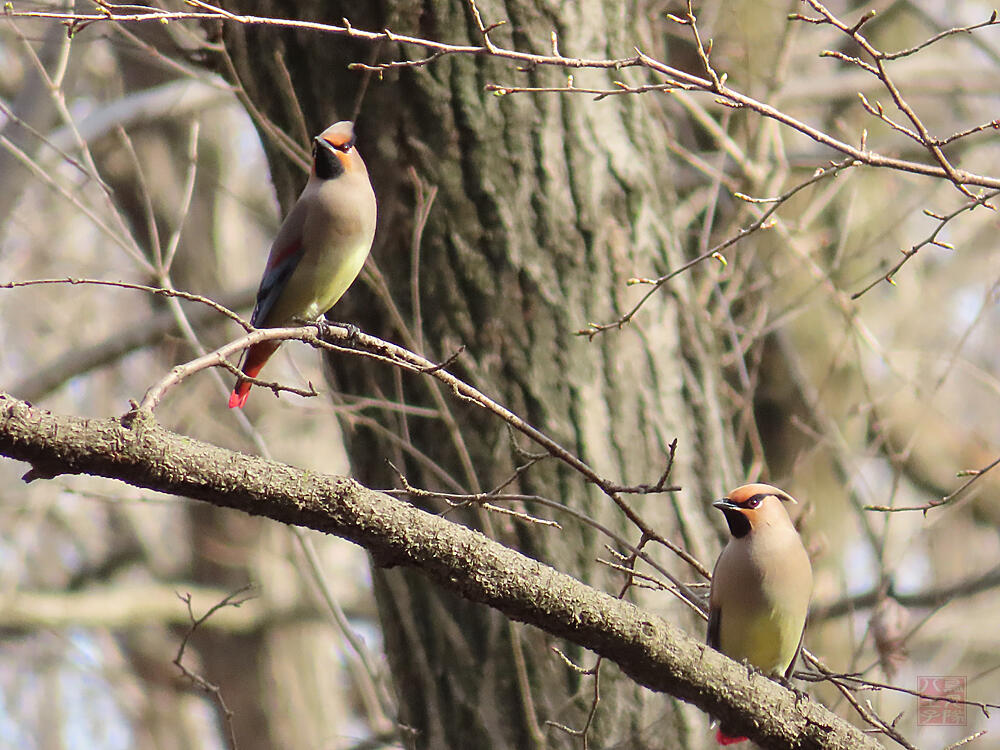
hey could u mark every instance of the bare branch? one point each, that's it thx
(761, 222)
(974, 476)
(714, 84)
(653, 652)
(931, 239)
(232, 600)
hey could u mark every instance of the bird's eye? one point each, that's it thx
(345, 146)
(753, 502)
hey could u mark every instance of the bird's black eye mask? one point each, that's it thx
(325, 159)
(739, 525)
(754, 500)
(342, 147)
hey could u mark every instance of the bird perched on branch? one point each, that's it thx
(761, 585)
(319, 249)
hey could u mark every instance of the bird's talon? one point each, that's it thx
(322, 328)
(352, 330)
(800, 695)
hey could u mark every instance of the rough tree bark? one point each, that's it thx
(545, 206)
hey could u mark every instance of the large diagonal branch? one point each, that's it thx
(137, 450)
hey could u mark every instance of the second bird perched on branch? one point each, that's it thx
(761, 585)
(319, 249)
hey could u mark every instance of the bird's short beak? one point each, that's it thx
(725, 504)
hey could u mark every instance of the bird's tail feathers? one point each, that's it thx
(256, 356)
(724, 739)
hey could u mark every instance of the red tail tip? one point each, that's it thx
(239, 397)
(725, 739)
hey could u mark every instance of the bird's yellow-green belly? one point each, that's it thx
(763, 641)
(317, 283)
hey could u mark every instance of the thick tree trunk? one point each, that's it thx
(544, 206)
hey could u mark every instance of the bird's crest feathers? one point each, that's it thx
(750, 495)
(754, 505)
(340, 135)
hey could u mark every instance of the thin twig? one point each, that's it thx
(974, 476)
(725, 95)
(233, 600)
